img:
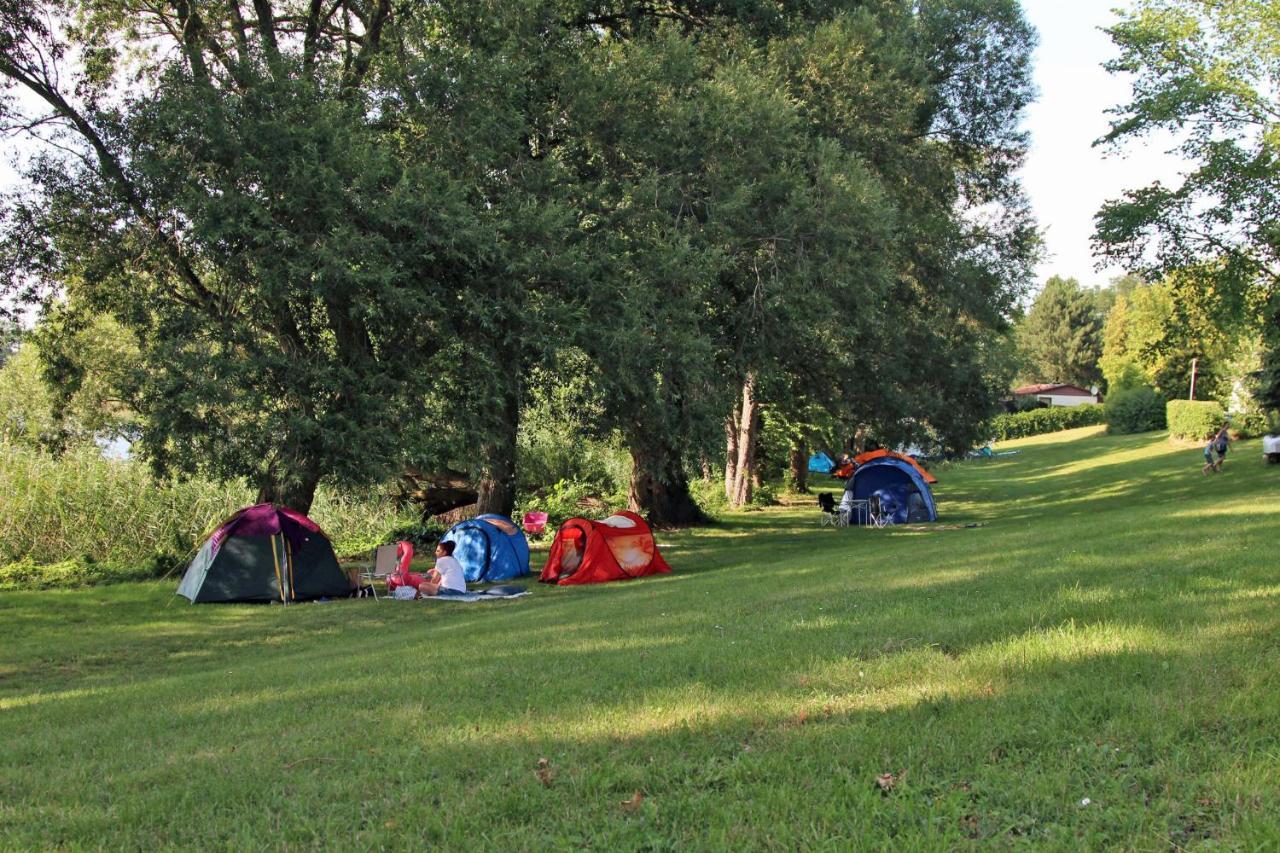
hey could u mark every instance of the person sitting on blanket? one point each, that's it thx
(447, 574)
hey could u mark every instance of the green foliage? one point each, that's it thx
(1194, 419)
(1135, 410)
(343, 242)
(285, 264)
(10, 338)
(1206, 73)
(356, 521)
(1254, 424)
(710, 495)
(560, 501)
(81, 572)
(1154, 333)
(26, 405)
(1039, 421)
(104, 519)
(765, 494)
(79, 504)
(424, 536)
(1061, 336)
(558, 438)
(89, 365)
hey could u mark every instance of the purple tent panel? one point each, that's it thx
(267, 520)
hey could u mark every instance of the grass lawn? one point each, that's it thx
(1097, 664)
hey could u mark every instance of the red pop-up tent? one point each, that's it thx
(617, 548)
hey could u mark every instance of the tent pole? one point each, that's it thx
(275, 559)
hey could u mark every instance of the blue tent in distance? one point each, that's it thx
(820, 463)
(490, 548)
(902, 491)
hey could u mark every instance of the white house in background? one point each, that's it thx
(1059, 395)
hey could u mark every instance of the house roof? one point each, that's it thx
(1053, 388)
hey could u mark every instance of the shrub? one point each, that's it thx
(1135, 410)
(561, 501)
(709, 495)
(28, 574)
(766, 494)
(1253, 424)
(1193, 419)
(358, 522)
(422, 536)
(1040, 421)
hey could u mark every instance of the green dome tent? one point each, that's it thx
(264, 553)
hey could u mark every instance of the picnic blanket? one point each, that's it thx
(494, 593)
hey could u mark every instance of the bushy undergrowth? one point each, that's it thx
(79, 519)
(1135, 410)
(709, 494)
(562, 500)
(1040, 421)
(1193, 419)
(359, 522)
(28, 574)
(1254, 424)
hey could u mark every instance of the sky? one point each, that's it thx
(1066, 178)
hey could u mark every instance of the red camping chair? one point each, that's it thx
(535, 523)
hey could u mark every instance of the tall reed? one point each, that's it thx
(80, 505)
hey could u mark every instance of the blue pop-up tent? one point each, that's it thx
(820, 463)
(903, 493)
(490, 548)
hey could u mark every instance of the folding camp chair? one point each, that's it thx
(534, 523)
(831, 516)
(876, 513)
(384, 563)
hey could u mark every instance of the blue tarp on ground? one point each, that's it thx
(490, 548)
(820, 463)
(902, 492)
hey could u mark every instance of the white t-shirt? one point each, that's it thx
(451, 574)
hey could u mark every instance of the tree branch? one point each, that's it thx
(113, 170)
(267, 30)
(369, 46)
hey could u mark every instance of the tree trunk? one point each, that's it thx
(731, 451)
(800, 469)
(497, 485)
(436, 493)
(1269, 387)
(660, 490)
(745, 473)
(296, 492)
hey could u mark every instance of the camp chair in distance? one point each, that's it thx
(876, 513)
(534, 523)
(831, 516)
(384, 563)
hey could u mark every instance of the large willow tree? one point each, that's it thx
(342, 232)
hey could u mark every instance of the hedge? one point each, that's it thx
(1194, 419)
(1135, 410)
(1040, 421)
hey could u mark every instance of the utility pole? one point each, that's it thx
(1193, 378)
